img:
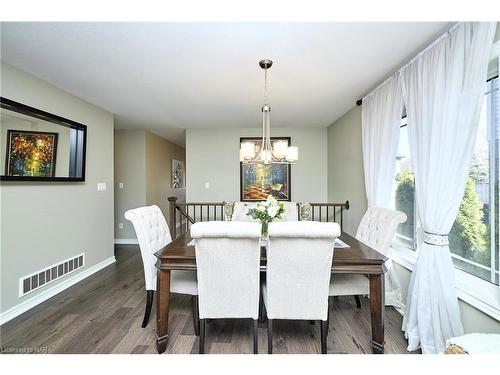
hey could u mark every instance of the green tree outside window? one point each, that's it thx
(469, 236)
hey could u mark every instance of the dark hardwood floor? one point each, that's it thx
(103, 314)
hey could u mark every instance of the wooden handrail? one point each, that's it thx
(191, 220)
(183, 214)
(318, 208)
(182, 210)
(344, 204)
(200, 203)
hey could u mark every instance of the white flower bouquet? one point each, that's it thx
(266, 211)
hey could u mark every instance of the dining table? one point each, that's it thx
(358, 258)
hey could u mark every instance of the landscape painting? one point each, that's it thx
(257, 181)
(31, 153)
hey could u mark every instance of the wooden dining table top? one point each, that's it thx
(358, 258)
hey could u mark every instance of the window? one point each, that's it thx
(474, 238)
(403, 195)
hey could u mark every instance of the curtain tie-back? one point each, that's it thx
(436, 239)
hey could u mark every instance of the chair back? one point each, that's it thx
(241, 209)
(152, 234)
(378, 226)
(228, 268)
(291, 213)
(299, 261)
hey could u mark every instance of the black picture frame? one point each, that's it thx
(14, 106)
(289, 169)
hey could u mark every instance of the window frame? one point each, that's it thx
(479, 293)
(493, 179)
(399, 244)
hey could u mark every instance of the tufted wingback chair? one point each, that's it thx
(153, 234)
(299, 262)
(228, 267)
(241, 209)
(378, 226)
(376, 229)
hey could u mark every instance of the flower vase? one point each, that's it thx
(264, 232)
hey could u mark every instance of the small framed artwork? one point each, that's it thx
(257, 181)
(177, 174)
(31, 153)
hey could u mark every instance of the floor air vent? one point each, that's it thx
(43, 277)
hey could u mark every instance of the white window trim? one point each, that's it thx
(473, 290)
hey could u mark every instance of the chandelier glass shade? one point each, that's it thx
(277, 152)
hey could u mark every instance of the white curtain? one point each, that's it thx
(443, 88)
(381, 120)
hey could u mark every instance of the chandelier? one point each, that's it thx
(279, 152)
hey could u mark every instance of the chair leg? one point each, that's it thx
(149, 304)
(358, 302)
(323, 336)
(202, 336)
(328, 318)
(269, 336)
(255, 336)
(261, 308)
(196, 316)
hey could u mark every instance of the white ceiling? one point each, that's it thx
(167, 77)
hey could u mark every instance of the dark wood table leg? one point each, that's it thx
(162, 306)
(377, 307)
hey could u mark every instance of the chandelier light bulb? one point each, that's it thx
(247, 150)
(292, 154)
(280, 149)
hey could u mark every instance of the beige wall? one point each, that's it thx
(130, 170)
(159, 155)
(345, 159)
(345, 167)
(45, 223)
(212, 155)
(143, 163)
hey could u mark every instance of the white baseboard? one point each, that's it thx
(51, 292)
(126, 241)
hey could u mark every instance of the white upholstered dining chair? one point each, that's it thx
(241, 209)
(299, 262)
(153, 234)
(376, 229)
(228, 267)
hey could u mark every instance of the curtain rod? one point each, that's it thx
(405, 63)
